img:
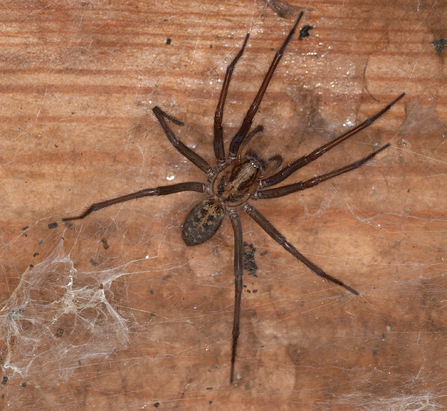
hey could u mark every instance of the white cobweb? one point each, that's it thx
(57, 318)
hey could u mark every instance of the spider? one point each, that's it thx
(240, 178)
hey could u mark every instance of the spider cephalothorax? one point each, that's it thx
(235, 184)
(238, 179)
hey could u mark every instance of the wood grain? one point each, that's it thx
(148, 319)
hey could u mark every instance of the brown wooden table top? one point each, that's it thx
(115, 312)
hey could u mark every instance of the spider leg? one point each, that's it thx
(301, 162)
(292, 188)
(178, 145)
(148, 192)
(248, 120)
(218, 133)
(281, 240)
(238, 271)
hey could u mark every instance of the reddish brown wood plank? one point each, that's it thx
(78, 81)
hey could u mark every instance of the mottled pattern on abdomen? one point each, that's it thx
(202, 222)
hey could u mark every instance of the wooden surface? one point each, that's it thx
(116, 312)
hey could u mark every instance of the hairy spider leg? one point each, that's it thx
(301, 162)
(148, 192)
(281, 240)
(238, 271)
(303, 185)
(268, 227)
(164, 190)
(182, 148)
(248, 120)
(219, 149)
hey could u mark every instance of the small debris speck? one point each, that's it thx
(157, 404)
(93, 262)
(248, 259)
(25, 228)
(305, 32)
(4, 380)
(440, 44)
(280, 7)
(104, 243)
(52, 225)
(59, 332)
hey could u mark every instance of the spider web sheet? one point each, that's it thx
(116, 312)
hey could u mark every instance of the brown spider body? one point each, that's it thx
(240, 178)
(231, 187)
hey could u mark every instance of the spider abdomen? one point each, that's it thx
(202, 222)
